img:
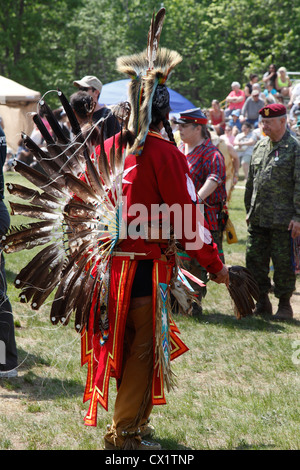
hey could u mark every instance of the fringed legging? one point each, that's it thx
(133, 402)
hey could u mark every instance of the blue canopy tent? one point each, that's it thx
(115, 92)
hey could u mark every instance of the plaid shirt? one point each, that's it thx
(207, 162)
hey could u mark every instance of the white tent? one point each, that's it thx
(16, 104)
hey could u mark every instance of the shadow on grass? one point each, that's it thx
(246, 323)
(11, 275)
(34, 386)
(246, 446)
(172, 444)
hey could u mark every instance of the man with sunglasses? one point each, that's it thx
(93, 86)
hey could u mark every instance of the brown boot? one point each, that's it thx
(146, 429)
(263, 306)
(127, 440)
(142, 445)
(285, 311)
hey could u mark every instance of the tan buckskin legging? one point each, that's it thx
(133, 402)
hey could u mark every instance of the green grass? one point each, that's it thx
(237, 387)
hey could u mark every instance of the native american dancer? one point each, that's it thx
(113, 269)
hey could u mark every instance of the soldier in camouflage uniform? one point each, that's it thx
(272, 201)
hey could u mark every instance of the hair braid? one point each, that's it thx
(161, 109)
(168, 129)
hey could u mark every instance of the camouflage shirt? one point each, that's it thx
(272, 195)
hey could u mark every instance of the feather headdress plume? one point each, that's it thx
(154, 36)
(147, 70)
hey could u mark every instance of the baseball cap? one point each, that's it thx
(236, 112)
(89, 81)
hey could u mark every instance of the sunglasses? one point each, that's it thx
(82, 88)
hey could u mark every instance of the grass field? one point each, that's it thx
(237, 387)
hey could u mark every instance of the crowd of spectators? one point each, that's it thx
(242, 104)
(236, 119)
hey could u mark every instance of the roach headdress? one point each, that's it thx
(149, 72)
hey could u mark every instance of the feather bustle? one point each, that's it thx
(81, 189)
(39, 259)
(26, 232)
(76, 129)
(21, 191)
(93, 176)
(35, 212)
(39, 179)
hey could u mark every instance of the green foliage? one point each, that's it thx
(219, 40)
(36, 42)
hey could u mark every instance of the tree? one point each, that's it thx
(219, 40)
(36, 42)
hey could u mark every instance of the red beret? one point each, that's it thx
(273, 110)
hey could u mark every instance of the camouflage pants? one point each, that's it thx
(264, 245)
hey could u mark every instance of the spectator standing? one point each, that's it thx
(8, 364)
(272, 201)
(93, 86)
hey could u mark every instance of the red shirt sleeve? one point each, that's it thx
(176, 187)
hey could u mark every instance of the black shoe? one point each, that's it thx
(263, 306)
(285, 311)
